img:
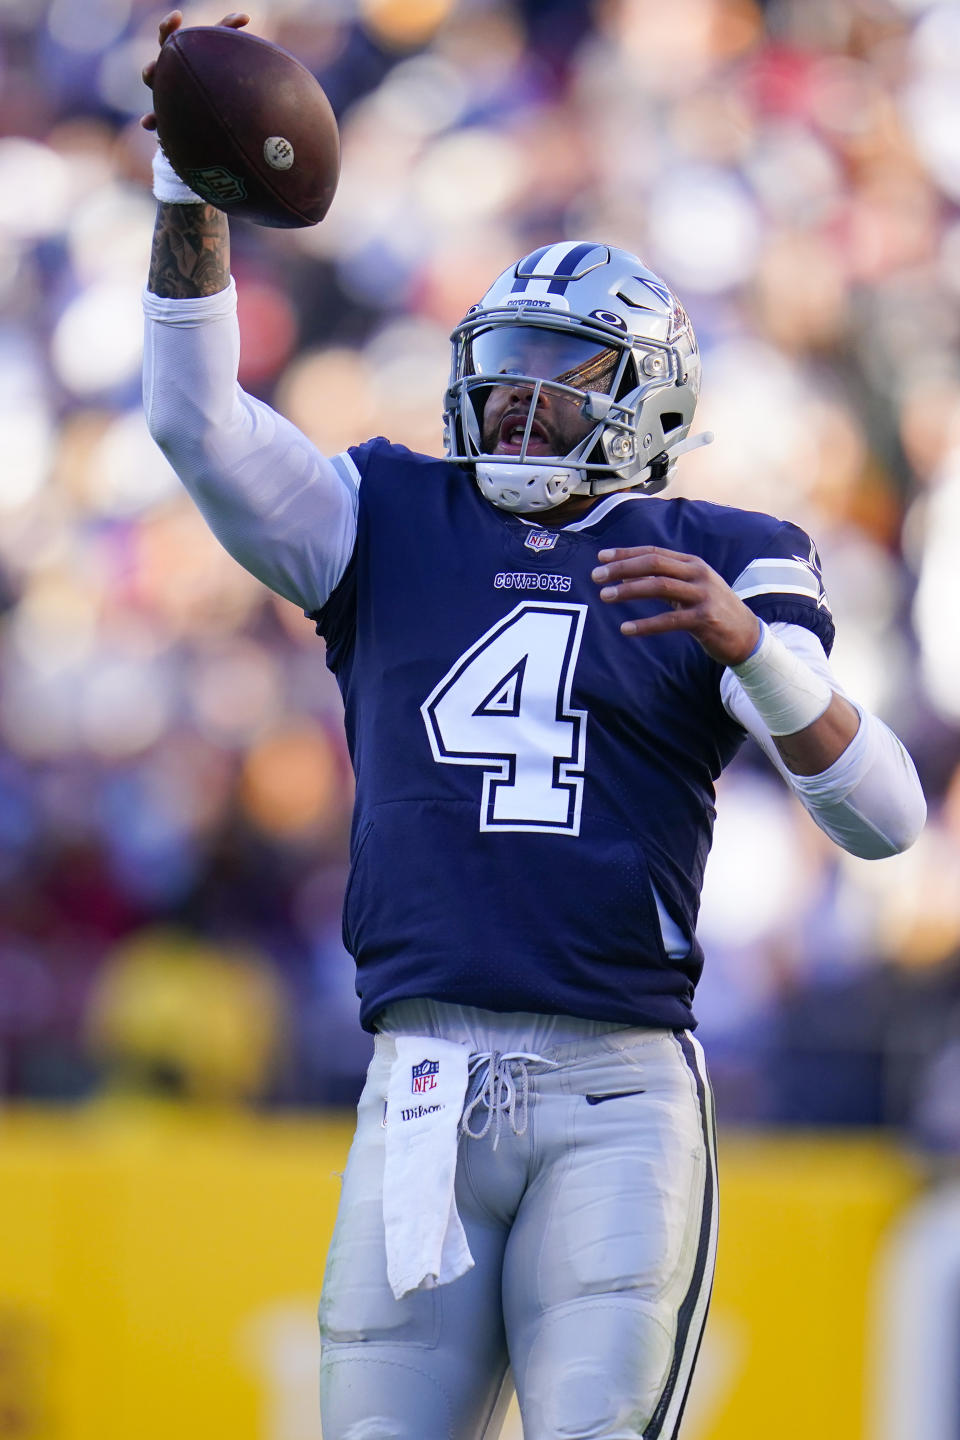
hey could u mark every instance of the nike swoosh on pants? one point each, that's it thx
(614, 1095)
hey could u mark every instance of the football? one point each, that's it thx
(246, 126)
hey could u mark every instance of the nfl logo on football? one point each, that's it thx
(216, 184)
(424, 1076)
(540, 540)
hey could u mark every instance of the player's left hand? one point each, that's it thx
(700, 600)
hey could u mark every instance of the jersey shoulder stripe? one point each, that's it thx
(346, 468)
(780, 576)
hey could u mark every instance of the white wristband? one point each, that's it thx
(167, 185)
(787, 695)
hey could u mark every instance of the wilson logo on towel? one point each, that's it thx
(423, 1077)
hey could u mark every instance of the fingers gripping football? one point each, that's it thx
(170, 23)
(700, 600)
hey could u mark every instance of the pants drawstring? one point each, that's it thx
(503, 1091)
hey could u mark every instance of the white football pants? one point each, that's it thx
(594, 1237)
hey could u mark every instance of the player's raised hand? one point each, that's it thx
(171, 22)
(700, 600)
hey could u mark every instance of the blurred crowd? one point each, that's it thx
(174, 788)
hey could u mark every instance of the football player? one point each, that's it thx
(545, 665)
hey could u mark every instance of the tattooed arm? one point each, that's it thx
(191, 243)
(191, 252)
(280, 508)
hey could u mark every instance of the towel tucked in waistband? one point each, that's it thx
(426, 1244)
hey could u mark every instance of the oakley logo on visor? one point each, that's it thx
(609, 317)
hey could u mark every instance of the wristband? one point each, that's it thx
(167, 185)
(786, 694)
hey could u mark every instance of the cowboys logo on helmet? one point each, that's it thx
(591, 324)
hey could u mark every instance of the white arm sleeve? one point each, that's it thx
(869, 801)
(283, 510)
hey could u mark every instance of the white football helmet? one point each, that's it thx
(593, 324)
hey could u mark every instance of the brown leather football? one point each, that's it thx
(246, 126)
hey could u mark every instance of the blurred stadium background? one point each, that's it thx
(178, 1042)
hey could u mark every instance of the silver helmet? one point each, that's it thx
(591, 324)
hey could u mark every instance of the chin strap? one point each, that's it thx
(523, 488)
(654, 476)
(692, 442)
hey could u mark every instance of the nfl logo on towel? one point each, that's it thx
(424, 1076)
(540, 540)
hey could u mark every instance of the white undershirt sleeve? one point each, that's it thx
(280, 507)
(869, 801)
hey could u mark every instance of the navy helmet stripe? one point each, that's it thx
(559, 273)
(567, 266)
(526, 267)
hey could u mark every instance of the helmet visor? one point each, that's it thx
(529, 350)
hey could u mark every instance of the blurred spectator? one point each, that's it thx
(171, 1016)
(170, 751)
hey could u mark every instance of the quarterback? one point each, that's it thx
(545, 664)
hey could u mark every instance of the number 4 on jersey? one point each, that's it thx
(505, 706)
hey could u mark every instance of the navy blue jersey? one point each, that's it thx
(525, 773)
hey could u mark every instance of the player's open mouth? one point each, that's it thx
(510, 436)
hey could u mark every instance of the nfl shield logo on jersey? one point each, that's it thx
(424, 1076)
(540, 540)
